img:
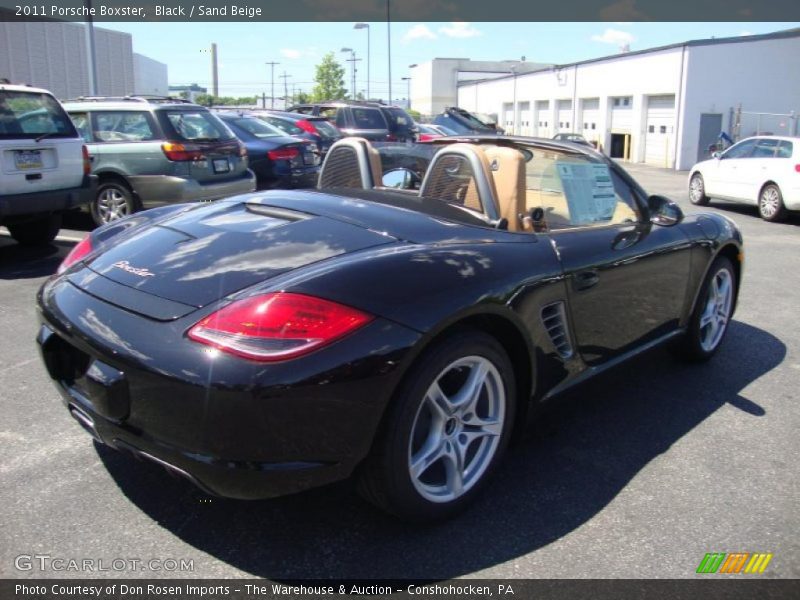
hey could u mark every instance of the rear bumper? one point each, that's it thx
(158, 190)
(233, 427)
(48, 201)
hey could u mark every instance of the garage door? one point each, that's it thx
(660, 130)
(508, 117)
(524, 118)
(589, 121)
(543, 120)
(621, 114)
(564, 121)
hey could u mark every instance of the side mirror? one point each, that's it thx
(716, 155)
(664, 211)
(402, 179)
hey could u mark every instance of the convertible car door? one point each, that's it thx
(626, 277)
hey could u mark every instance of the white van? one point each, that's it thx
(44, 164)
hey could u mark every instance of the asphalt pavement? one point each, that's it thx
(637, 474)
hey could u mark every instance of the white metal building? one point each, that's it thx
(53, 56)
(434, 84)
(662, 106)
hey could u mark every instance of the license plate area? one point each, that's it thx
(221, 165)
(25, 160)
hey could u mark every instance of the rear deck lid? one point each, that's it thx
(209, 253)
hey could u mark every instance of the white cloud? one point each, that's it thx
(291, 53)
(614, 36)
(459, 29)
(418, 32)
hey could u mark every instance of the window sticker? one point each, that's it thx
(589, 191)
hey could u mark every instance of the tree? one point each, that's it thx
(329, 80)
(301, 98)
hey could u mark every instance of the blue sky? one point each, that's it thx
(244, 48)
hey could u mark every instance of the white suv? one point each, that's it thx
(44, 164)
(763, 171)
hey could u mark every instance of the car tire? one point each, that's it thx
(697, 190)
(712, 313)
(440, 443)
(114, 200)
(36, 232)
(770, 204)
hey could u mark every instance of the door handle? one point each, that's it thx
(585, 279)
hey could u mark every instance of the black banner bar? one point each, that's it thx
(711, 588)
(401, 10)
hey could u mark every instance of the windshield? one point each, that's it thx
(257, 127)
(326, 129)
(469, 118)
(197, 126)
(282, 124)
(30, 115)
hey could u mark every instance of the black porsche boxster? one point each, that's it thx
(395, 325)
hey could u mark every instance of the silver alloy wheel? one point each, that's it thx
(457, 429)
(111, 205)
(714, 319)
(769, 202)
(696, 190)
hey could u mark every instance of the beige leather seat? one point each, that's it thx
(439, 181)
(507, 167)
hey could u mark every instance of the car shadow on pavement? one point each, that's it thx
(581, 451)
(29, 262)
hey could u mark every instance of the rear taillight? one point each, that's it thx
(283, 154)
(278, 326)
(797, 168)
(178, 152)
(87, 162)
(80, 250)
(307, 126)
(390, 137)
(242, 150)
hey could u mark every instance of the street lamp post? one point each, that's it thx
(365, 26)
(352, 60)
(389, 47)
(408, 92)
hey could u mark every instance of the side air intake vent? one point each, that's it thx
(554, 319)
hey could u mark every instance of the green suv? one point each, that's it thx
(149, 151)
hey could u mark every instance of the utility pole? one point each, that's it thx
(272, 81)
(214, 71)
(285, 76)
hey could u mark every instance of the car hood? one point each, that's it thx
(202, 255)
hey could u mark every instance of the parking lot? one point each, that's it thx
(637, 474)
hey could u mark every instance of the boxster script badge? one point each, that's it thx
(126, 266)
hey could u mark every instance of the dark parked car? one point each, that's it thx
(277, 159)
(464, 122)
(314, 129)
(371, 120)
(276, 341)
